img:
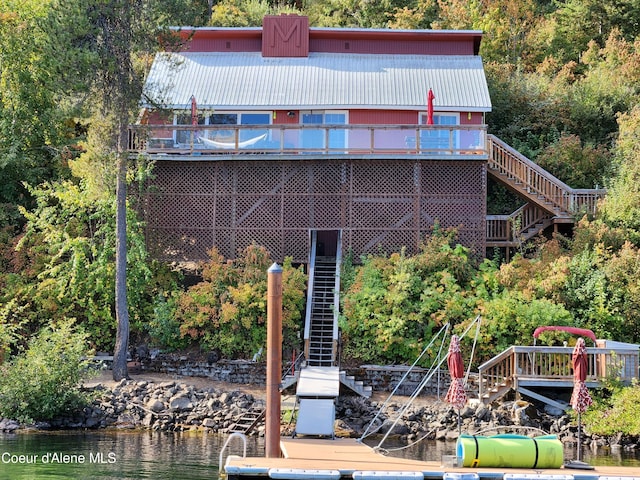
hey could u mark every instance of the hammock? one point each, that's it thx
(247, 143)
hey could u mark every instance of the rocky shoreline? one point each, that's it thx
(172, 406)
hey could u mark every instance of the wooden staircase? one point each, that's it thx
(549, 200)
(530, 370)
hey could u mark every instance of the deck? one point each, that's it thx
(526, 368)
(312, 458)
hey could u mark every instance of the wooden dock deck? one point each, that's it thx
(324, 459)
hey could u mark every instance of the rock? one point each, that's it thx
(7, 425)
(180, 402)
(155, 405)
(148, 420)
(209, 423)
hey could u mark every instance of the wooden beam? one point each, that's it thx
(542, 398)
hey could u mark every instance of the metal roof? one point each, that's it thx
(249, 81)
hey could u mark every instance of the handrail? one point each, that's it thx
(517, 363)
(310, 277)
(226, 443)
(537, 181)
(336, 291)
(501, 227)
(338, 139)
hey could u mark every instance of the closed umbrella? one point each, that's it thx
(194, 111)
(580, 397)
(430, 98)
(456, 395)
(194, 117)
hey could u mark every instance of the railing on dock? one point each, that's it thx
(551, 366)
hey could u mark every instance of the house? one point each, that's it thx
(276, 134)
(280, 131)
(316, 142)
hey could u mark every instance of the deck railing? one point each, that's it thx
(512, 164)
(309, 139)
(507, 228)
(552, 364)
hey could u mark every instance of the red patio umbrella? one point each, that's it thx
(456, 395)
(430, 98)
(194, 117)
(580, 398)
(194, 111)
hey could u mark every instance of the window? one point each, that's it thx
(316, 138)
(440, 140)
(224, 118)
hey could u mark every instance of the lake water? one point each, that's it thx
(153, 455)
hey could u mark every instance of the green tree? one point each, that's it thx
(578, 165)
(71, 237)
(393, 305)
(510, 319)
(579, 22)
(44, 382)
(34, 124)
(622, 204)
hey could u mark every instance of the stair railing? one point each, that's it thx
(497, 373)
(336, 298)
(507, 228)
(537, 181)
(310, 276)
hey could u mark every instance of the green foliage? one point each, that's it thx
(510, 319)
(576, 165)
(32, 129)
(616, 414)
(390, 310)
(44, 382)
(622, 205)
(70, 239)
(588, 293)
(164, 328)
(227, 310)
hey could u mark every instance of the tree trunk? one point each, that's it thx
(120, 370)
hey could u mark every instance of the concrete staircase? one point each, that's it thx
(354, 385)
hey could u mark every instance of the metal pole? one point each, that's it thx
(274, 360)
(579, 437)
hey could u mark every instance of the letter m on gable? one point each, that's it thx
(285, 36)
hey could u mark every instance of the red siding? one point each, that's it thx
(383, 117)
(228, 44)
(282, 117)
(471, 118)
(290, 36)
(375, 46)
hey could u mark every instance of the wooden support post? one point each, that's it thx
(274, 360)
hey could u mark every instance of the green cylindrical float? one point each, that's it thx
(510, 451)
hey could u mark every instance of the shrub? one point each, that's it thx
(227, 311)
(394, 303)
(44, 382)
(616, 414)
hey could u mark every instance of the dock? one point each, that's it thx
(347, 458)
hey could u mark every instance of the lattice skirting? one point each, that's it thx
(380, 206)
